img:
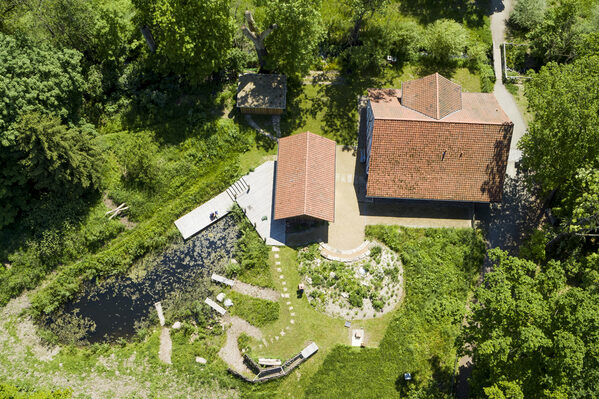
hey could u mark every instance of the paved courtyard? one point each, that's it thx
(353, 213)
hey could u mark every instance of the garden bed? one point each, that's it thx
(355, 290)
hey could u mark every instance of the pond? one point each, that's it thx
(115, 308)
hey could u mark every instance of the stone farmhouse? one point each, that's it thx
(431, 141)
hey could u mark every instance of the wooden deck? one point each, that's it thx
(254, 193)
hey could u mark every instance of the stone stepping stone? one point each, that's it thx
(288, 303)
(285, 295)
(292, 314)
(287, 328)
(277, 263)
(281, 277)
(284, 283)
(276, 337)
(276, 256)
(279, 269)
(285, 289)
(292, 321)
(290, 307)
(275, 249)
(264, 342)
(282, 333)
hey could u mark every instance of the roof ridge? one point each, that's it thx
(306, 171)
(437, 95)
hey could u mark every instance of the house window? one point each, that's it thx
(443, 156)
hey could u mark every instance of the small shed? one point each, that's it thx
(264, 94)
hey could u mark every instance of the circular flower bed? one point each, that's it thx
(358, 290)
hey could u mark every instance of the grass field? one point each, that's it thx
(331, 109)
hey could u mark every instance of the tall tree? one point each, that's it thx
(359, 11)
(47, 158)
(445, 38)
(251, 31)
(40, 91)
(533, 333)
(192, 37)
(294, 44)
(562, 29)
(564, 135)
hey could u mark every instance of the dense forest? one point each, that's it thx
(132, 101)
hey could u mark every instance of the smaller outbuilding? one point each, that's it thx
(305, 178)
(264, 94)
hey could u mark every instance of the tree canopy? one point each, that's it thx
(40, 93)
(533, 332)
(292, 47)
(193, 37)
(564, 135)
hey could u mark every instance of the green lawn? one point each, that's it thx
(310, 325)
(440, 268)
(331, 110)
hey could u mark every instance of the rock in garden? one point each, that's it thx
(201, 360)
(177, 325)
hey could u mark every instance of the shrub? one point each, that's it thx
(487, 78)
(375, 253)
(444, 39)
(528, 14)
(257, 312)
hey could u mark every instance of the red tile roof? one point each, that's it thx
(305, 177)
(433, 95)
(461, 156)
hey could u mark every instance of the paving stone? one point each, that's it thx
(282, 333)
(292, 314)
(284, 283)
(276, 256)
(285, 289)
(275, 249)
(290, 307)
(292, 321)
(276, 337)
(277, 263)
(288, 303)
(279, 269)
(281, 277)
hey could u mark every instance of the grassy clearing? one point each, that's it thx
(440, 266)
(257, 312)
(309, 325)
(331, 110)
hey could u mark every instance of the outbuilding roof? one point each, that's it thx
(305, 177)
(257, 90)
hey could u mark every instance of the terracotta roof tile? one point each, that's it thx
(425, 147)
(305, 179)
(432, 95)
(439, 161)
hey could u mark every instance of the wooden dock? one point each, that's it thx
(254, 193)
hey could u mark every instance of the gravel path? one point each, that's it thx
(507, 221)
(257, 292)
(506, 100)
(230, 351)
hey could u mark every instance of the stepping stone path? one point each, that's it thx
(279, 269)
(276, 256)
(281, 277)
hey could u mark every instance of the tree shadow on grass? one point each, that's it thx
(339, 102)
(470, 12)
(172, 109)
(428, 66)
